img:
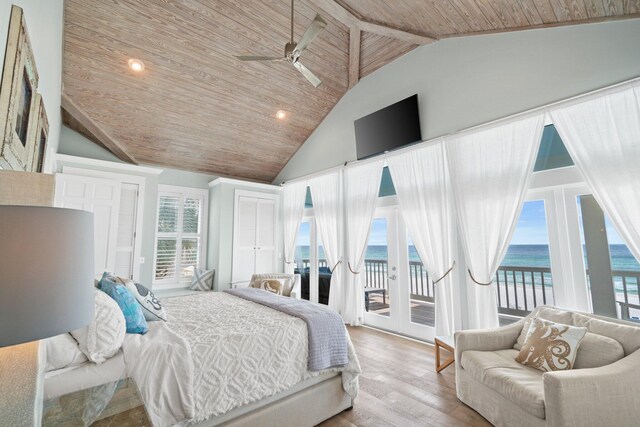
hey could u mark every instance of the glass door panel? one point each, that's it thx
(524, 280)
(376, 288)
(303, 257)
(421, 289)
(380, 272)
(324, 276)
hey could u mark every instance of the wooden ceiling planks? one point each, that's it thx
(194, 98)
(378, 50)
(196, 107)
(460, 17)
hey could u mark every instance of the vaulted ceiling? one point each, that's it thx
(195, 107)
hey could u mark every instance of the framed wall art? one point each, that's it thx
(19, 102)
(40, 134)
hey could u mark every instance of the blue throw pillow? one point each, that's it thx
(136, 323)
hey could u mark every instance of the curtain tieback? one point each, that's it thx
(335, 266)
(288, 262)
(479, 283)
(447, 273)
(351, 269)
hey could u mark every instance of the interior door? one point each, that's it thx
(380, 272)
(102, 197)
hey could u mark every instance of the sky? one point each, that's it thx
(531, 228)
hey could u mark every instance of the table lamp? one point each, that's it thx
(46, 289)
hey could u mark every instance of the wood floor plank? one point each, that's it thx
(399, 386)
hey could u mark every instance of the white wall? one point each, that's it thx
(45, 23)
(462, 82)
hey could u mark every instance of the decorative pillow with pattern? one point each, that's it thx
(103, 337)
(151, 306)
(272, 285)
(202, 280)
(132, 311)
(550, 346)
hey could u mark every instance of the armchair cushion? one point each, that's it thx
(597, 350)
(499, 371)
(628, 336)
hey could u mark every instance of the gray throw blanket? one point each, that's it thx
(327, 333)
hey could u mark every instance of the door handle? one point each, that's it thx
(392, 277)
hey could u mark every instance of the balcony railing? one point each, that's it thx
(519, 289)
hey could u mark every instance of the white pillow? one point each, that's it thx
(63, 352)
(103, 337)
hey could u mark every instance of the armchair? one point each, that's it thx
(489, 380)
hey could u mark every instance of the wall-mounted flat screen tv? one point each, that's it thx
(388, 129)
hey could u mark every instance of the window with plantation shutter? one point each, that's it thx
(180, 235)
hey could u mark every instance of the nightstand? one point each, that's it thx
(111, 404)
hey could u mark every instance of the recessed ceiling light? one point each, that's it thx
(136, 65)
(280, 114)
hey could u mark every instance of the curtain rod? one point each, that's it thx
(576, 99)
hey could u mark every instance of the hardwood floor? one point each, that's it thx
(399, 386)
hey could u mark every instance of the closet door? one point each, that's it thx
(245, 232)
(102, 197)
(266, 237)
(254, 230)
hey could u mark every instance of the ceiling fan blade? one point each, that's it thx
(259, 58)
(316, 27)
(307, 74)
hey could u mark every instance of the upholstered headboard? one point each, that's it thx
(26, 188)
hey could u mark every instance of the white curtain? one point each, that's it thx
(603, 138)
(362, 183)
(294, 195)
(490, 172)
(326, 193)
(422, 186)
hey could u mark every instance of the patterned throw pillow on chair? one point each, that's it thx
(202, 280)
(550, 346)
(272, 285)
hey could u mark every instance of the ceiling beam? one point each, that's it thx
(349, 19)
(96, 130)
(337, 11)
(394, 33)
(354, 56)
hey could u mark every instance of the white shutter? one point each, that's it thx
(125, 242)
(179, 244)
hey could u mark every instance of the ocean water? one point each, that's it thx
(517, 256)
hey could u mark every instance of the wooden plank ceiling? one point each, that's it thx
(195, 107)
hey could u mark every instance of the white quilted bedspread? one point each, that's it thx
(243, 352)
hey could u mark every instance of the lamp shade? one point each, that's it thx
(46, 272)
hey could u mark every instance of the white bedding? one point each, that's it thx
(240, 351)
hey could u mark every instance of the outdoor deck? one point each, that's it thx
(423, 313)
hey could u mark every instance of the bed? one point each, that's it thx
(223, 360)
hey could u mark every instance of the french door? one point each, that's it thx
(393, 293)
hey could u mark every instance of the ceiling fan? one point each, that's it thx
(292, 50)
